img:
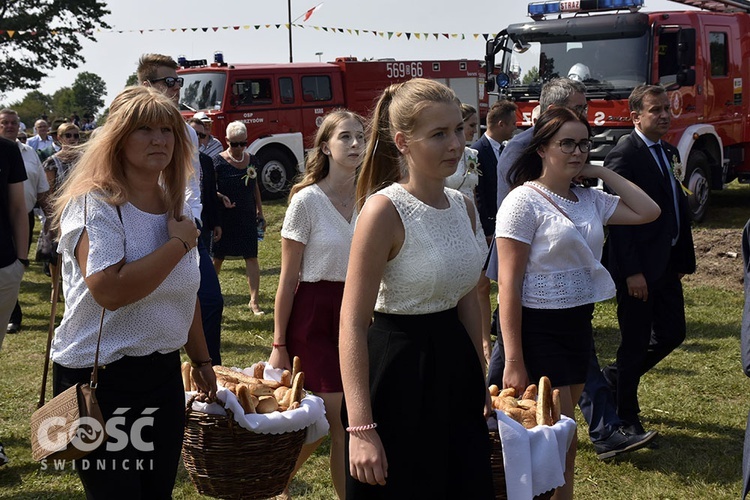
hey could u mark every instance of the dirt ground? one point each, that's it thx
(718, 254)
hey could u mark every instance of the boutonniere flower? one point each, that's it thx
(472, 162)
(678, 172)
(250, 174)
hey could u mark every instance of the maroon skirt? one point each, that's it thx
(313, 334)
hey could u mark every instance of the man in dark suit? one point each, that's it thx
(648, 261)
(501, 123)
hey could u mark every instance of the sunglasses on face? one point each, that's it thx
(169, 81)
(238, 144)
(68, 135)
(568, 146)
(202, 135)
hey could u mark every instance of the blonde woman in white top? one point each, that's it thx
(316, 237)
(414, 266)
(550, 236)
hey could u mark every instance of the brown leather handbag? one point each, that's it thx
(71, 425)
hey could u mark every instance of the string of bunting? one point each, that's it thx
(351, 31)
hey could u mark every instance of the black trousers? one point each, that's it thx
(650, 331)
(144, 398)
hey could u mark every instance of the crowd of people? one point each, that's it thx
(388, 246)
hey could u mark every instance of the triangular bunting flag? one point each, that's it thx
(408, 36)
(398, 35)
(11, 33)
(418, 35)
(485, 36)
(357, 32)
(390, 34)
(445, 35)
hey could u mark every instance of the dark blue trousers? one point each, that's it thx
(211, 300)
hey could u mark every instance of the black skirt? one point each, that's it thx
(557, 343)
(427, 393)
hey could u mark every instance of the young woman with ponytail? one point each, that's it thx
(413, 267)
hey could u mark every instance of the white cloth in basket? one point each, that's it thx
(310, 414)
(534, 459)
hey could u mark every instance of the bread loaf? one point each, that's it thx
(245, 399)
(296, 390)
(186, 379)
(544, 402)
(286, 378)
(296, 367)
(530, 392)
(267, 404)
(556, 406)
(258, 370)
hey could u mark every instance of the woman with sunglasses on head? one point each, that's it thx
(549, 238)
(236, 179)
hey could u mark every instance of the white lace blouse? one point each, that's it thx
(439, 262)
(158, 322)
(312, 220)
(564, 268)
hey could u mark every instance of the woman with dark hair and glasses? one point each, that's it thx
(236, 172)
(549, 236)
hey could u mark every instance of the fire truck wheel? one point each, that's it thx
(277, 171)
(697, 180)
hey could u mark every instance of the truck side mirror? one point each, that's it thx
(686, 78)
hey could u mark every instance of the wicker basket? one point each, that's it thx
(225, 460)
(498, 470)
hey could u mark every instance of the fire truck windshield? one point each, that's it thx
(609, 66)
(202, 90)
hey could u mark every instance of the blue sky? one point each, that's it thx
(114, 55)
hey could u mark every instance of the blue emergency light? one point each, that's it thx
(540, 9)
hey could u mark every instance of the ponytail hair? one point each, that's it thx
(397, 110)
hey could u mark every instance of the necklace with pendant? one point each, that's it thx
(343, 203)
(229, 154)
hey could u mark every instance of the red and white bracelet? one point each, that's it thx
(359, 428)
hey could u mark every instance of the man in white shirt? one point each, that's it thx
(35, 187)
(42, 139)
(160, 72)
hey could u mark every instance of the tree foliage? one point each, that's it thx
(531, 76)
(85, 96)
(88, 92)
(47, 34)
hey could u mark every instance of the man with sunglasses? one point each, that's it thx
(647, 262)
(607, 431)
(210, 145)
(160, 72)
(35, 189)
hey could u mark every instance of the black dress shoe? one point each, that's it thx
(622, 442)
(13, 328)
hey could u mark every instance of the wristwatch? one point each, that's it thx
(25, 262)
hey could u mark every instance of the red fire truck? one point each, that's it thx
(283, 104)
(612, 47)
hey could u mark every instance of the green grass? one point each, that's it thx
(697, 398)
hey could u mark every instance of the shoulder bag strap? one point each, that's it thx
(51, 332)
(549, 199)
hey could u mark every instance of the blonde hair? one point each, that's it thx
(67, 127)
(316, 163)
(397, 110)
(100, 169)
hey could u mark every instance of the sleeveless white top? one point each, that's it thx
(440, 260)
(312, 220)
